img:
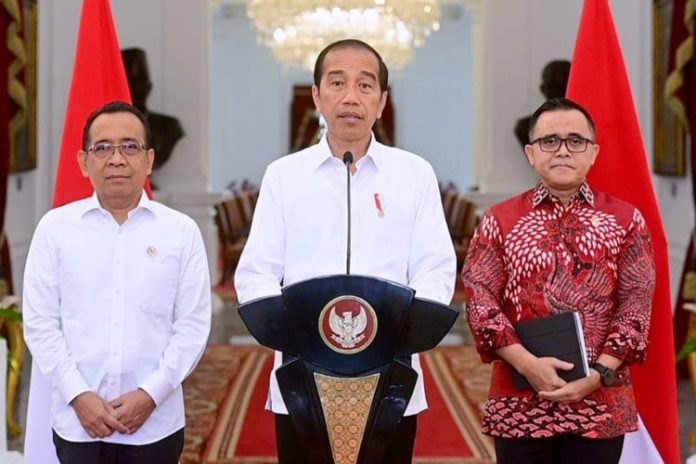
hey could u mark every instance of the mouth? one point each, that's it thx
(117, 177)
(350, 116)
(563, 166)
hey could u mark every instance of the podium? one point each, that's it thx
(346, 376)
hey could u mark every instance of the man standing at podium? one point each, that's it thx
(299, 230)
(556, 248)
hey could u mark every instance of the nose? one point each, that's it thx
(350, 95)
(117, 158)
(563, 149)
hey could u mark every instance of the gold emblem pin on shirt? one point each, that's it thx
(595, 221)
(151, 251)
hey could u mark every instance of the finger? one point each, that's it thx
(560, 364)
(117, 412)
(115, 424)
(103, 431)
(116, 403)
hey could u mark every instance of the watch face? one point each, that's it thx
(609, 377)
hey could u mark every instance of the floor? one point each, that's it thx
(227, 326)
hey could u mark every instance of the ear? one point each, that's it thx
(82, 162)
(382, 104)
(528, 150)
(315, 97)
(595, 152)
(150, 160)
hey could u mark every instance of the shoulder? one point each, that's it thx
(624, 212)
(399, 160)
(62, 223)
(171, 217)
(67, 212)
(297, 163)
(519, 202)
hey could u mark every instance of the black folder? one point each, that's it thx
(559, 336)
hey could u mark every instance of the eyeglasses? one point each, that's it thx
(552, 143)
(104, 150)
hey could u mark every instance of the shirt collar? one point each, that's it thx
(92, 204)
(323, 152)
(541, 193)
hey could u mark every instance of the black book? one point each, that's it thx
(559, 336)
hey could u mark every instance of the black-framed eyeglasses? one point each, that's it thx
(552, 143)
(104, 150)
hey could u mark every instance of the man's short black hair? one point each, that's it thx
(560, 104)
(116, 107)
(351, 43)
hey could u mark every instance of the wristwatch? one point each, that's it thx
(607, 376)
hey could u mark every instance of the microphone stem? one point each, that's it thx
(348, 212)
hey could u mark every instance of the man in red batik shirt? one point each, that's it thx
(560, 247)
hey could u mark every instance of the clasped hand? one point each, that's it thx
(125, 414)
(542, 374)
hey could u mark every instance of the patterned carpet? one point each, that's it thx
(226, 422)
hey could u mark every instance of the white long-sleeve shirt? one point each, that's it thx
(299, 230)
(112, 308)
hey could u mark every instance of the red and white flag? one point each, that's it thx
(598, 81)
(98, 78)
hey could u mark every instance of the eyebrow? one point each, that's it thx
(367, 74)
(571, 134)
(124, 139)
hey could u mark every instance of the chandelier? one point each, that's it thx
(297, 30)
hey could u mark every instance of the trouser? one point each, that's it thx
(290, 448)
(559, 449)
(165, 451)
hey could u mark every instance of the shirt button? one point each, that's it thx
(118, 291)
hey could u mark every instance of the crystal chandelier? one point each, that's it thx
(297, 30)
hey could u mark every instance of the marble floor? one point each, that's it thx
(227, 326)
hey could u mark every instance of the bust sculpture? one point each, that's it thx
(554, 81)
(166, 130)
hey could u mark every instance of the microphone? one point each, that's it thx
(348, 160)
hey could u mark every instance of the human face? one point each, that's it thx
(562, 172)
(117, 179)
(349, 96)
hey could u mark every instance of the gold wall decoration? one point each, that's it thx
(669, 133)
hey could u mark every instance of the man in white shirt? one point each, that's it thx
(300, 226)
(116, 304)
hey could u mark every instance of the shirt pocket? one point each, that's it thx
(157, 286)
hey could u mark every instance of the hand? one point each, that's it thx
(133, 408)
(575, 390)
(541, 373)
(96, 415)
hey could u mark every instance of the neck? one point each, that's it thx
(563, 195)
(357, 147)
(120, 207)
